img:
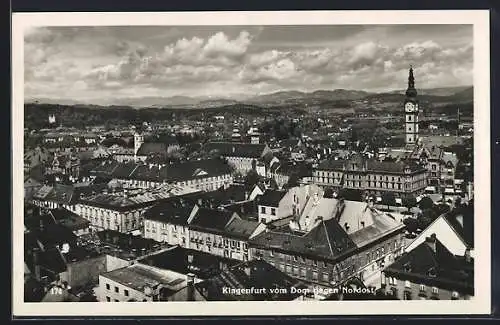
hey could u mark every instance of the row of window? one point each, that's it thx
(117, 290)
(264, 209)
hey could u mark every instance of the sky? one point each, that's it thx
(100, 63)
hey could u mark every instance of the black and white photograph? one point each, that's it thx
(315, 165)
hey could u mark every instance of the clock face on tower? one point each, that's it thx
(409, 107)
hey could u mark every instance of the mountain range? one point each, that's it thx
(443, 94)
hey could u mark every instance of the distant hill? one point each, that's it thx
(337, 98)
(443, 91)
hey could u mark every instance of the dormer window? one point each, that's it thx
(432, 272)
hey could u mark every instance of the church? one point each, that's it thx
(424, 150)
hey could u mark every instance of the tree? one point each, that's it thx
(423, 221)
(389, 199)
(425, 203)
(251, 179)
(411, 224)
(409, 201)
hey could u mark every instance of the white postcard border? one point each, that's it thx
(480, 304)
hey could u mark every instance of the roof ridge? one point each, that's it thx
(328, 238)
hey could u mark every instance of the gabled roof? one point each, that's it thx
(462, 222)
(173, 211)
(271, 197)
(211, 219)
(58, 193)
(241, 228)
(437, 267)
(152, 148)
(327, 240)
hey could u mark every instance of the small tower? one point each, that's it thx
(411, 111)
(138, 141)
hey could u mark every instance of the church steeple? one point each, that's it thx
(411, 92)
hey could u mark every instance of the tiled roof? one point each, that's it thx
(182, 260)
(152, 148)
(172, 211)
(58, 193)
(331, 164)
(437, 267)
(241, 228)
(211, 219)
(256, 274)
(236, 149)
(170, 173)
(327, 240)
(462, 221)
(135, 198)
(69, 219)
(271, 197)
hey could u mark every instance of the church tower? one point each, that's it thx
(138, 141)
(411, 111)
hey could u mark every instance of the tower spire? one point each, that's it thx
(411, 91)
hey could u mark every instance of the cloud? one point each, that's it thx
(93, 62)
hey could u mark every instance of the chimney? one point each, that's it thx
(467, 256)
(431, 241)
(36, 264)
(190, 287)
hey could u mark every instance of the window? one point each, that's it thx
(116, 300)
(315, 263)
(263, 210)
(107, 286)
(435, 290)
(315, 276)
(271, 253)
(422, 287)
(454, 295)
(117, 290)
(108, 298)
(273, 211)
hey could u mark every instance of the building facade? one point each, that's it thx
(372, 176)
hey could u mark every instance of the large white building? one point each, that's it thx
(123, 211)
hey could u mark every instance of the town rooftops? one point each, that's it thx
(140, 276)
(252, 274)
(182, 260)
(237, 149)
(432, 264)
(174, 211)
(371, 165)
(152, 148)
(136, 198)
(241, 228)
(69, 219)
(462, 222)
(327, 241)
(271, 198)
(211, 219)
(184, 171)
(58, 193)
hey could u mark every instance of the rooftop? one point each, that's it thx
(271, 197)
(237, 149)
(140, 276)
(431, 263)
